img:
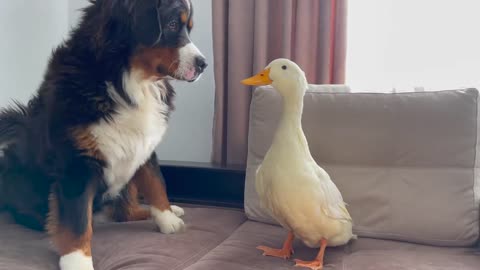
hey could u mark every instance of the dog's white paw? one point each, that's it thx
(167, 221)
(76, 261)
(177, 210)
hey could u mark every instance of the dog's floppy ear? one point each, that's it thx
(147, 26)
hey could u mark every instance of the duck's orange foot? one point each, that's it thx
(279, 253)
(313, 265)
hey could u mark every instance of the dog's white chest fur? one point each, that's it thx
(130, 137)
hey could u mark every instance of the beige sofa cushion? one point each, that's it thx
(122, 246)
(405, 163)
(238, 252)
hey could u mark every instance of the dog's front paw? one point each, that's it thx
(167, 221)
(177, 210)
(76, 261)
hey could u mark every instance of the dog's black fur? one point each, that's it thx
(40, 155)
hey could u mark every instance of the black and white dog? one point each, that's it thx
(85, 142)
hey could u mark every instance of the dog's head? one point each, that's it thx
(159, 33)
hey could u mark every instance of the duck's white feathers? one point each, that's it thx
(292, 187)
(332, 203)
(301, 197)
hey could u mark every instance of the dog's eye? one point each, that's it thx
(173, 26)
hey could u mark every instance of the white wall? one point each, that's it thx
(74, 13)
(30, 29)
(407, 44)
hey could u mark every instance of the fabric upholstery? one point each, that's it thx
(239, 252)
(121, 246)
(216, 240)
(405, 163)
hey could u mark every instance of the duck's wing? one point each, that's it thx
(267, 198)
(258, 179)
(332, 203)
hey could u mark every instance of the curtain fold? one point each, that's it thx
(247, 35)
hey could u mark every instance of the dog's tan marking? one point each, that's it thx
(63, 238)
(150, 185)
(130, 210)
(184, 17)
(155, 62)
(86, 142)
(190, 23)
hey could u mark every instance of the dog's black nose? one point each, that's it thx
(200, 63)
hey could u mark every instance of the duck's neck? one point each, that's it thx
(289, 133)
(292, 103)
(289, 129)
(292, 112)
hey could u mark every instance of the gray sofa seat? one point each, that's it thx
(219, 239)
(238, 252)
(120, 246)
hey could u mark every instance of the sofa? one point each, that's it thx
(406, 164)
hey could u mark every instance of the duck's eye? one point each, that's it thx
(173, 26)
(284, 67)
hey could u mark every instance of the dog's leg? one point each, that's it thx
(70, 224)
(127, 206)
(150, 183)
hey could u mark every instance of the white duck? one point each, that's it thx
(297, 192)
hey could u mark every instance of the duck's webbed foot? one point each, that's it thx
(285, 252)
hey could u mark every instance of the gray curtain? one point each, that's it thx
(247, 35)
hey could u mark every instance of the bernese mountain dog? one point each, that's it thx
(85, 142)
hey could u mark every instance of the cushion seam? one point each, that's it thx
(216, 246)
(196, 258)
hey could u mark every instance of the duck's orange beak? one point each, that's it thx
(262, 78)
